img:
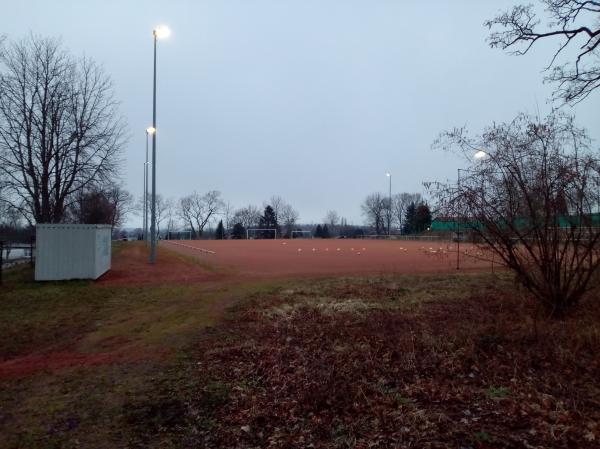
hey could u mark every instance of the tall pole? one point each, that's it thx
(144, 216)
(458, 227)
(390, 206)
(146, 192)
(153, 212)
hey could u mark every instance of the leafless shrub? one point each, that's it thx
(534, 200)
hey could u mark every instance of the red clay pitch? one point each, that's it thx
(305, 257)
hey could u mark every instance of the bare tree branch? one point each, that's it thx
(576, 22)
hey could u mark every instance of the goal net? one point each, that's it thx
(179, 235)
(261, 233)
(302, 235)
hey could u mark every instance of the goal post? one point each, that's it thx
(179, 235)
(259, 233)
(302, 235)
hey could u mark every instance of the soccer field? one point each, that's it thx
(291, 258)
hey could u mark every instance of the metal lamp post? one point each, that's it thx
(458, 225)
(480, 154)
(159, 33)
(144, 195)
(389, 175)
(149, 131)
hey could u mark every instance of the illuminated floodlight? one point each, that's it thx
(480, 154)
(162, 32)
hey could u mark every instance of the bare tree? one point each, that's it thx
(60, 132)
(248, 216)
(276, 203)
(228, 216)
(122, 202)
(92, 207)
(576, 23)
(531, 201)
(101, 205)
(4, 203)
(196, 210)
(288, 217)
(170, 215)
(332, 219)
(374, 209)
(164, 208)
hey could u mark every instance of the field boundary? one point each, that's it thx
(202, 250)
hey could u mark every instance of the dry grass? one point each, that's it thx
(390, 361)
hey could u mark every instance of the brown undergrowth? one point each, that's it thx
(401, 362)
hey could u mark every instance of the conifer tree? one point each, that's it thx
(269, 221)
(220, 232)
(238, 232)
(409, 219)
(319, 232)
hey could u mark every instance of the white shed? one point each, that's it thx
(72, 251)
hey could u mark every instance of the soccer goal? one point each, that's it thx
(302, 235)
(261, 233)
(179, 235)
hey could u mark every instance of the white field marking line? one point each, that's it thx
(206, 251)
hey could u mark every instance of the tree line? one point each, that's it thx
(403, 213)
(199, 213)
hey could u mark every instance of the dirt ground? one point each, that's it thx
(261, 259)
(130, 268)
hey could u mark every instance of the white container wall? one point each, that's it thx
(72, 251)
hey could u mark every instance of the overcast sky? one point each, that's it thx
(312, 100)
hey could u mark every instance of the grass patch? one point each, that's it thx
(497, 392)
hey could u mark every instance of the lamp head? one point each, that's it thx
(161, 32)
(150, 130)
(480, 154)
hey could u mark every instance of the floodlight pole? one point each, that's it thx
(458, 226)
(390, 205)
(144, 217)
(478, 155)
(146, 192)
(153, 212)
